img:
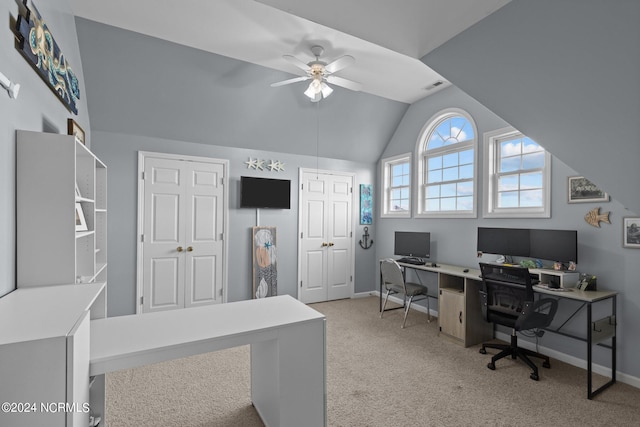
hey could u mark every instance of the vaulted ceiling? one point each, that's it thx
(201, 71)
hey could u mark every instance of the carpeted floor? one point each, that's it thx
(377, 375)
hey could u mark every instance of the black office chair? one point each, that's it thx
(507, 299)
(393, 281)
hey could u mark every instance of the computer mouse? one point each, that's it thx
(466, 270)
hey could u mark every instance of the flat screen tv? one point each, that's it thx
(412, 244)
(554, 245)
(265, 193)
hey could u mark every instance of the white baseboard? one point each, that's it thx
(563, 357)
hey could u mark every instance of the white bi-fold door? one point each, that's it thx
(181, 255)
(326, 260)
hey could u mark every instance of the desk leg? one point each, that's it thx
(589, 353)
(288, 377)
(590, 392)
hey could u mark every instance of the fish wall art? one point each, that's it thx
(594, 217)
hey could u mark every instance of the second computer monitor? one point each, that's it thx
(412, 244)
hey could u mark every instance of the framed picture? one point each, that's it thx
(81, 223)
(39, 48)
(265, 266)
(366, 204)
(78, 195)
(74, 129)
(581, 190)
(631, 232)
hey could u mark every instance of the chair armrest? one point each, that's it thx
(537, 314)
(484, 301)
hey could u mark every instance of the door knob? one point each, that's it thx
(190, 249)
(179, 249)
(324, 244)
(330, 243)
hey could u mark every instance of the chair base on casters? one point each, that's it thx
(516, 352)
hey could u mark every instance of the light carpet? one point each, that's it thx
(377, 375)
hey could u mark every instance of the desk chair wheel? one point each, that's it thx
(482, 351)
(546, 364)
(534, 376)
(491, 366)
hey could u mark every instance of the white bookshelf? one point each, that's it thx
(50, 249)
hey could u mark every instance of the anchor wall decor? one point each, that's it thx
(367, 243)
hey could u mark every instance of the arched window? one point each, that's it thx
(447, 166)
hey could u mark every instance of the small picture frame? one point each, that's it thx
(81, 223)
(78, 194)
(581, 190)
(631, 232)
(74, 129)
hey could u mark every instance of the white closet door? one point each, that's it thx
(326, 244)
(164, 239)
(183, 223)
(339, 220)
(204, 196)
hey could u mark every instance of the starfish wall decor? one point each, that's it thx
(258, 164)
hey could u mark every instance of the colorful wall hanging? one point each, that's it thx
(265, 272)
(366, 204)
(40, 49)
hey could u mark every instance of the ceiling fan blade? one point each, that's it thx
(298, 63)
(340, 63)
(293, 80)
(349, 84)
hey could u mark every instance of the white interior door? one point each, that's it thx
(326, 239)
(163, 236)
(182, 218)
(203, 236)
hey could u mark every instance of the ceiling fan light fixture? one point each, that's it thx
(325, 89)
(311, 90)
(317, 90)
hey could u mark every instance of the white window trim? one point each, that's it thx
(489, 182)
(384, 189)
(417, 194)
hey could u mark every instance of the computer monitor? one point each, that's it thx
(412, 244)
(503, 241)
(554, 245)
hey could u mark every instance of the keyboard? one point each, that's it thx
(414, 261)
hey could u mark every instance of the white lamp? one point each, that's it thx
(317, 90)
(12, 88)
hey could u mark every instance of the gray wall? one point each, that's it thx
(37, 108)
(564, 73)
(600, 250)
(120, 153)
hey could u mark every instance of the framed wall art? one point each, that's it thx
(631, 233)
(37, 45)
(265, 271)
(581, 190)
(366, 204)
(74, 129)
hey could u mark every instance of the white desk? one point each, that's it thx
(44, 349)
(287, 338)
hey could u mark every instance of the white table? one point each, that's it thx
(287, 338)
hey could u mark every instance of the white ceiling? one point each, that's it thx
(387, 38)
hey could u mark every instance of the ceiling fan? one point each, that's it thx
(320, 73)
